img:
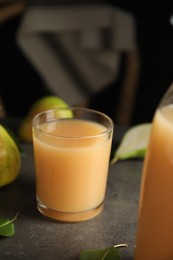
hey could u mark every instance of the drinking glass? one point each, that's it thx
(154, 240)
(72, 151)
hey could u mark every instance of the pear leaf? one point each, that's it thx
(7, 226)
(134, 143)
(102, 254)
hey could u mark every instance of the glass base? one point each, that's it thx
(69, 217)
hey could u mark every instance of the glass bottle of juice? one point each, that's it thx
(154, 239)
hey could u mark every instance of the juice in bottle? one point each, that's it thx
(154, 239)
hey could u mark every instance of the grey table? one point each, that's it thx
(36, 237)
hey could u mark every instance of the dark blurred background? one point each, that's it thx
(155, 42)
(21, 85)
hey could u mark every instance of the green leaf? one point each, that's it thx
(7, 226)
(110, 253)
(100, 254)
(134, 143)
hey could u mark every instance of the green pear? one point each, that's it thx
(10, 159)
(44, 103)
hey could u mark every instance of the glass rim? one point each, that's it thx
(93, 111)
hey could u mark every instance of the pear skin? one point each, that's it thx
(10, 159)
(44, 103)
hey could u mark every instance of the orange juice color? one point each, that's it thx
(71, 173)
(155, 223)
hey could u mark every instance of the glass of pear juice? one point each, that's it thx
(71, 152)
(154, 238)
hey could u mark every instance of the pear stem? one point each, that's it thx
(114, 160)
(121, 245)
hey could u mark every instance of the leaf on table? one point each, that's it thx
(134, 143)
(100, 254)
(109, 253)
(7, 226)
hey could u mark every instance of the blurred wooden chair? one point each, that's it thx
(11, 8)
(2, 109)
(129, 87)
(8, 10)
(77, 51)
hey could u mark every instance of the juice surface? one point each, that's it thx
(155, 223)
(71, 172)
